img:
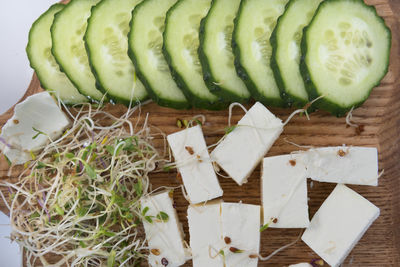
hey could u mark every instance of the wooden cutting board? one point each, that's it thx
(380, 115)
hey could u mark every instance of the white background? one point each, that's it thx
(16, 18)
(10, 254)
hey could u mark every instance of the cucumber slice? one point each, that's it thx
(43, 62)
(216, 54)
(285, 41)
(253, 27)
(145, 49)
(346, 52)
(181, 42)
(68, 47)
(107, 47)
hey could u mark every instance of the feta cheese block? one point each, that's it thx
(205, 231)
(233, 228)
(19, 136)
(241, 233)
(303, 264)
(243, 148)
(194, 164)
(339, 224)
(284, 191)
(347, 165)
(164, 234)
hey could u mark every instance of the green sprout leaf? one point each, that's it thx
(111, 259)
(33, 156)
(129, 146)
(163, 216)
(70, 155)
(123, 188)
(82, 244)
(198, 122)
(108, 234)
(117, 199)
(264, 227)
(179, 123)
(38, 132)
(230, 129)
(167, 168)
(81, 211)
(8, 160)
(110, 150)
(145, 210)
(148, 218)
(90, 171)
(40, 165)
(138, 188)
(35, 215)
(59, 210)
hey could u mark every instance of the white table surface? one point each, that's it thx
(16, 18)
(10, 253)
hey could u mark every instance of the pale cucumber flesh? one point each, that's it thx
(287, 52)
(218, 62)
(350, 57)
(145, 48)
(181, 42)
(107, 46)
(43, 62)
(69, 48)
(255, 22)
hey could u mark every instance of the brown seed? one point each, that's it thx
(317, 262)
(292, 162)
(360, 129)
(253, 256)
(189, 149)
(179, 123)
(275, 220)
(341, 153)
(164, 261)
(155, 251)
(179, 177)
(16, 121)
(235, 250)
(227, 240)
(70, 172)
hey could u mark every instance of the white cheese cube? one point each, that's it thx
(303, 264)
(193, 161)
(347, 165)
(164, 234)
(241, 226)
(40, 112)
(284, 191)
(242, 149)
(339, 224)
(205, 230)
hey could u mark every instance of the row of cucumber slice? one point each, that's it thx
(209, 53)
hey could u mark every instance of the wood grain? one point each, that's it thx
(380, 246)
